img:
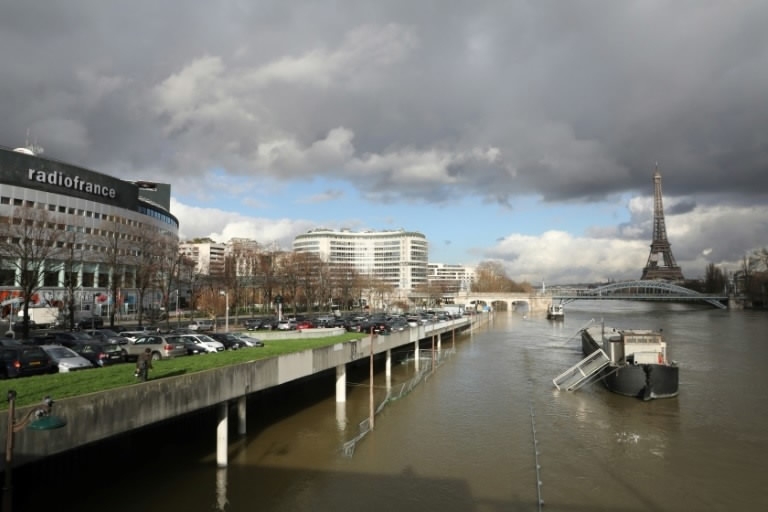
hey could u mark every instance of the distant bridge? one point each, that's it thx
(538, 301)
(641, 290)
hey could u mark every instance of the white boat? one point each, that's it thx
(555, 312)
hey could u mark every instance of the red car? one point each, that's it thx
(305, 324)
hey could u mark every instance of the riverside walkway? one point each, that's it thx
(98, 416)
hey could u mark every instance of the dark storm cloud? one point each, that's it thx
(431, 100)
(680, 207)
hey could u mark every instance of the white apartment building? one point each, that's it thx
(207, 256)
(457, 276)
(398, 257)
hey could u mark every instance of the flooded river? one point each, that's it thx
(487, 431)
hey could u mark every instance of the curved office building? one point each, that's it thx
(90, 210)
(397, 257)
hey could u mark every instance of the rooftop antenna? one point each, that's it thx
(34, 147)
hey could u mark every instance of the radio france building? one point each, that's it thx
(396, 257)
(86, 203)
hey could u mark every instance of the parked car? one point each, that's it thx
(162, 346)
(286, 325)
(134, 335)
(229, 340)
(92, 322)
(67, 338)
(252, 324)
(247, 340)
(65, 359)
(257, 324)
(18, 325)
(201, 325)
(205, 341)
(189, 345)
(23, 361)
(100, 354)
(108, 336)
(305, 324)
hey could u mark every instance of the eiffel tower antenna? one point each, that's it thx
(661, 264)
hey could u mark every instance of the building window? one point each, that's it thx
(7, 277)
(51, 278)
(88, 279)
(5, 200)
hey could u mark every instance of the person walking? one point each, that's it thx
(144, 364)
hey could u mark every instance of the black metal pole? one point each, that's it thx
(7, 486)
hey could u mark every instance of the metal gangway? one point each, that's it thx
(581, 373)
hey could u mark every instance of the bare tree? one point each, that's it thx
(289, 280)
(72, 260)
(145, 258)
(31, 243)
(267, 274)
(760, 258)
(307, 267)
(490, 276)
(119, 236)
(167, 267)
(714, 280)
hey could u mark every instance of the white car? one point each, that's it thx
(205, 341)
(66, 359)
(200, 325)
(287, 325)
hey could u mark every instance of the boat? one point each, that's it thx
(636, 361)
(555, 312)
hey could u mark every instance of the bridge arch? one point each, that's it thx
(643, 290)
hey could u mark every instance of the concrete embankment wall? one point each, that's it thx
(98, 416)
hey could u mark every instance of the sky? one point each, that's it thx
(524, 132)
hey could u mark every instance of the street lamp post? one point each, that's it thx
(35, 419)
(178, 321)
(226, 313)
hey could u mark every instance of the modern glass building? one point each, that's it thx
(93, 209)
(396, 257)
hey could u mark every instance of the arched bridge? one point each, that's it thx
(641, 290)
(536, 301)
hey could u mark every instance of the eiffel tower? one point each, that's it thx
(660, 248)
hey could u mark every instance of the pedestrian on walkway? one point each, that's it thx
(143, 365)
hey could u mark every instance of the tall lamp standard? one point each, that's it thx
(35, 419)
(226, 314)
(178, 321)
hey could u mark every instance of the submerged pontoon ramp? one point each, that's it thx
(580, 373)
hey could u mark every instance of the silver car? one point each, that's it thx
(66, 359)
(205, 341)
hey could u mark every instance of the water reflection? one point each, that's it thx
(221, 488)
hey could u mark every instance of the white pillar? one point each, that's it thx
(341, 383)
(221, 435)
(241, 425)
(439, 342)
(416, 354)
(341, 416)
